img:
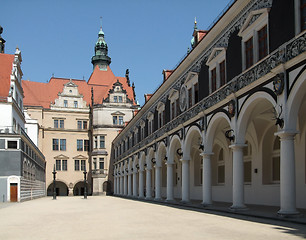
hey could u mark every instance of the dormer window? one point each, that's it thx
(65, 103)
(150, 123)
(254, 33)
(217, 69)
(75, 104)
(174, 103)
(115, 99)
(161, 114)
(120, 99)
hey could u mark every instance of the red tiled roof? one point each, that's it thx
(6, 66)
(201, 34)
(167, 74)
(147, 97)
(42, 94)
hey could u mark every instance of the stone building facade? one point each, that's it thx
(228, 123)
(78, 120)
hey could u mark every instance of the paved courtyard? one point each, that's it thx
(115, 218)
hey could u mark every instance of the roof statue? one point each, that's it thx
(2, 41)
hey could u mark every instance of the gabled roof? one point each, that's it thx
(42, 94)
(6, 66)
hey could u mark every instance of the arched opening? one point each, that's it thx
(61, 189)
(78, 189)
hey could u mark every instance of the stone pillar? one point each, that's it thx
(140, 194)
(185, 180)
(169, 182)
(135, 183)
(125, 184)
(287, 174)
(157, 182)
(129, 184)
(206, 187)
(115, 184)
(148, 184)
(121, 184)
(238, 177)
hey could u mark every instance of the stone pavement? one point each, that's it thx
(103, 217)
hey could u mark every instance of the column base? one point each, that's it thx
(141, 197)
(185, 201)
(284, 213)
(170, 201)
(149, 198)
(158, 199)
(238, 208)
(205, 204)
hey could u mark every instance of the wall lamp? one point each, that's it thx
(179, 152)
(153, 160)
(229, 134)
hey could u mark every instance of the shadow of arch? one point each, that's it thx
(61, 189)
(107, 187)
(78, 189)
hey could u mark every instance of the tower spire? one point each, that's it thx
(101, 50)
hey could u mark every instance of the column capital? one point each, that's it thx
(286, 134)
(169, 163)
(237, 146)
(206, 154)
(184, 160)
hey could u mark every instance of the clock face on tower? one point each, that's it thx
(183, 98)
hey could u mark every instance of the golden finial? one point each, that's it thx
(195, 23)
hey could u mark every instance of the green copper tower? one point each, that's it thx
(100, 58)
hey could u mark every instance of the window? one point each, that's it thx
(221, 168)
(102, 141)
(115, 99)
(262, 43)
(82, 124)
(58, 165)
(65, 103)
(254, 33)
(55, 144)
(213, 80)
(196, 92)
(55, 123)
(101, 163)
(61, 123)
(86, 145)
(173, 110)
(63, 144)
(120, 99)
(249, 53)
(75, 104)
(115, 120)
(12, 144)
(222, 73)
(83, 165)
(77, 165)
(64, 165)
(120, 120)
(80, 145)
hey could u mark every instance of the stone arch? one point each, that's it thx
(61, 188)
(142, 160)
(175, 141)
(193, 136)
(78, 189)
(295, 99)
(159, 153)
(250, 109)
(217, 123)
(149, 157)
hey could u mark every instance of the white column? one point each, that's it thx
(148, 184)
(115, 184)
(206, 186)
(135, 183)
(238, 177)
(169, 182)
(185, 180)
(287, 174)
(140, 194)
(121, 184)
(157, 182)
(125, 184)
(129, 184)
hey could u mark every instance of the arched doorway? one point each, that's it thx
(78, 189)
(61, 189)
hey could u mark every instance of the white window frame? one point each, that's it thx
(247, 31)
(173, 96)
(213, 62)
(150, 122)
(161, 111)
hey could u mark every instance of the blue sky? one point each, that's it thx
(57, 37)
